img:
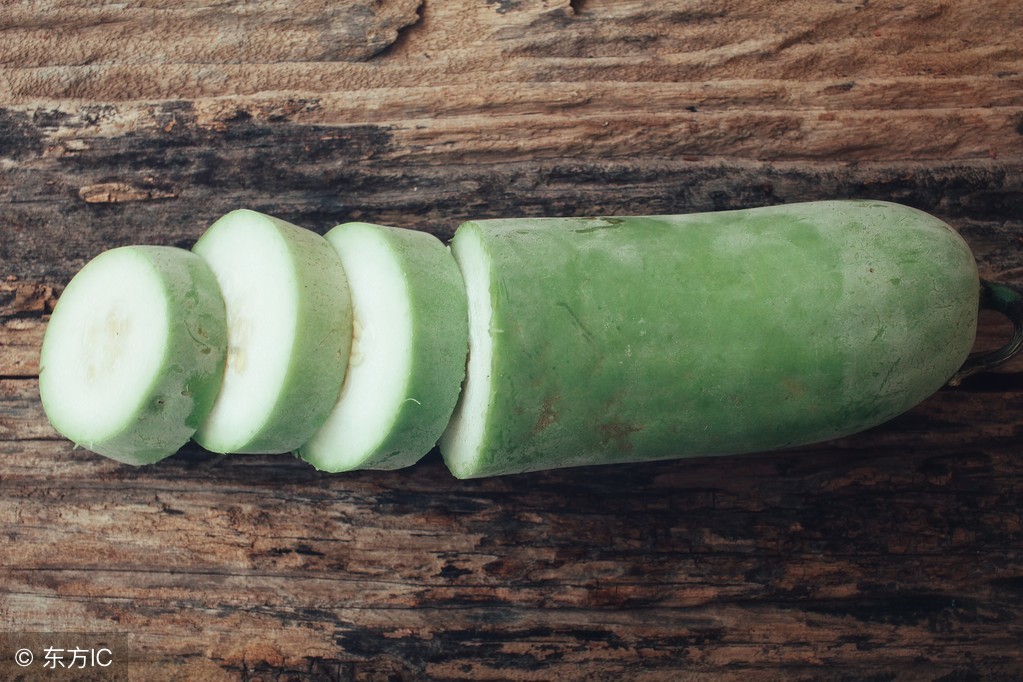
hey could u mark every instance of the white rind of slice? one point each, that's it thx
(134, 353)
(408, 352)
(462, 441)
(289, 333)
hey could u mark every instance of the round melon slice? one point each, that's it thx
(408, 354)
(134, 353)
(289, 330)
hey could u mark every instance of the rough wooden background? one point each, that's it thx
(896, 554)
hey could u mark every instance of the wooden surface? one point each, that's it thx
(895, 554)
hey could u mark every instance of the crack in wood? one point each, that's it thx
(118, 192)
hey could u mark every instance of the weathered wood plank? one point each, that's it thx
(442, 577)
(21, 414)
(521, 41)
(20, 340)
(198, 33)
(23, 308)
(784, 122)
(62, 204)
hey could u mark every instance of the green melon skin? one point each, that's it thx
(91, 332)
(284, 281)
(422, 336)
(644, 338)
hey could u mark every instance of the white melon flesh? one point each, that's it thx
(134, 353)
(461, 443)
(289, 333)
(408, 352)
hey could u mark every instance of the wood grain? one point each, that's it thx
(890, 555)
(45, 35)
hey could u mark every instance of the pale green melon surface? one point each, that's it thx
(408, 353)
(289, 333)
(641, 338)
(134, 353)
